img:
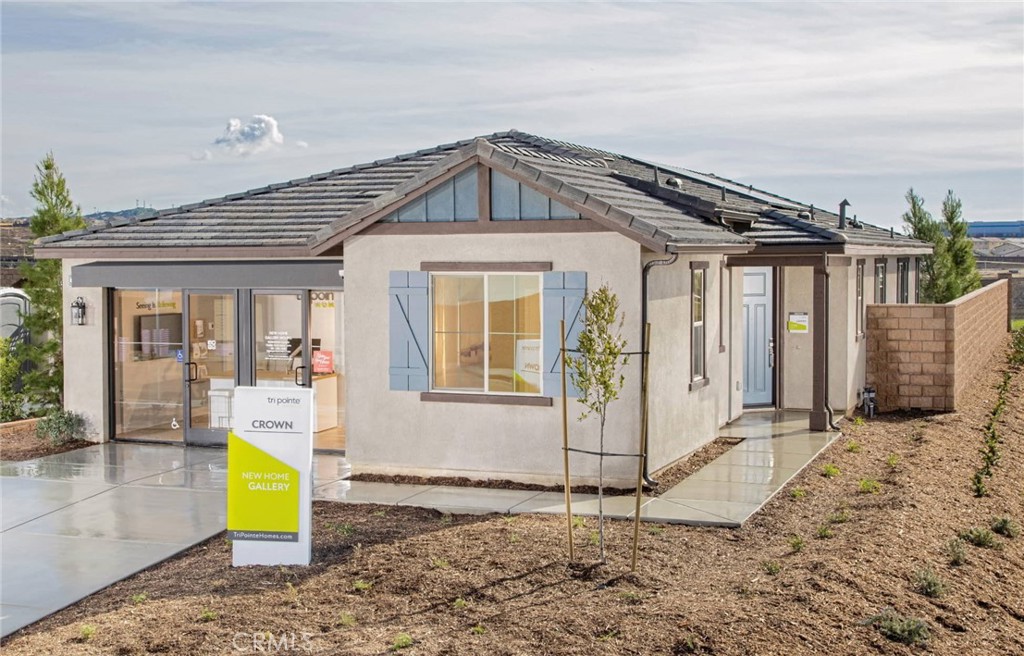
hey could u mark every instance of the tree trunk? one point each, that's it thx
(600, 494)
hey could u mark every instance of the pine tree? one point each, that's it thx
(921, 225)
(55, 213)
(961, 276)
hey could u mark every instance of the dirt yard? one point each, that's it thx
(415, 581)
(18, 441)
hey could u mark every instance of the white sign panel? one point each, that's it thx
(270, 486)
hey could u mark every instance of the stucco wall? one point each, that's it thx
(86, 354)
(682, 420)
(797, 349)
(395, 432)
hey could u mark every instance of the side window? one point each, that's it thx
(860, 297)
(880, 271)
(903, 280)
(698, 296)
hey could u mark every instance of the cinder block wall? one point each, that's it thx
(924, 356)
(1016, 291)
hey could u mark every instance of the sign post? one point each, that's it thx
(270, 466)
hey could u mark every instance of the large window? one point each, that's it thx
(698, 365)
(880, 270)
(860, 297)
(487, 333)
(903, 280)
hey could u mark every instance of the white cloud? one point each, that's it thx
(258, 135)
(301, 144)
(203, 155)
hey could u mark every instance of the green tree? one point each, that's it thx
(921, 225)
(55, 213)
(950, 271)
(961, 270)
(12, 401)
(597, 372)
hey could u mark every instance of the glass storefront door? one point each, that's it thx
(280, 355)
(209, 367)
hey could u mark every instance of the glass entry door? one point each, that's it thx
(279, 329)
(209, 367)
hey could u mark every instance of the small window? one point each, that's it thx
(487, 333)
(698, 364)
(903, 280)
(917, 280)
(860, 297)
(512, 201)
(721, 307)
(880, 268)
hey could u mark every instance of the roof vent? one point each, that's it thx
(803, 215)
(674, 182)
(842, 213)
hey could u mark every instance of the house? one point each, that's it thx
(421, 297)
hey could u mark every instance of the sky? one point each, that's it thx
(164, 104)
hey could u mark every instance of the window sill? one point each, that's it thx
(492, 399)
(697, 384)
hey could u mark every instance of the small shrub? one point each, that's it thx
(980, 537)
(869, 486)
(853, 446)
(824, 532)
(631, 598)
(513, 539)
(139, 598)
(347, 620)
(898, 628)
(796, 543)
(439, 563)
(928, 583)
(978, 485)
(446, 519)
(87, 631)
(579, 522)
(654, 529)
(798, 493)
(1006, 527)
(478, 629)
(459, 603)
(840, 516)
(830, 471)
(859, 421)
(345, 530)
(771, 567)
(362, 586)
(893, 461)
(61, 427)
(401, 641)
(955, 552)
(595, 538)
(207, 615)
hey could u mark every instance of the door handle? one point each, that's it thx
(192, 378)
(299, 382)
(771, 352)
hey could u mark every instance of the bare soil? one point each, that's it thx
(501, 585)
(18, 442)
(665, 478)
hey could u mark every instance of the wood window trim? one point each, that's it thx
(487, 399)
(860, 307)
(487, 267)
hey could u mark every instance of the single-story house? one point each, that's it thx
(421, 297)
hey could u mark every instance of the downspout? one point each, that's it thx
(825, 327)
(643, 341)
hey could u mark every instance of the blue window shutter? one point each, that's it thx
(409, 326)
(563, 300)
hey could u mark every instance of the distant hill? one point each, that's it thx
(95, 217)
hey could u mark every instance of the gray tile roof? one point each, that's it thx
(667, 206)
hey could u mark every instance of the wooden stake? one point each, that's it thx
(565, 449)
(643, 445)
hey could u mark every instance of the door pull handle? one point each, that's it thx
(192, 378)
(299, 381)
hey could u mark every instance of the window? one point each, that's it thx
(880, 281)
(452, 200)
(512, 201)
(917, 280)
(860, 297)
(698, 366)
(486, 333)
(721, 306)
(903, 280)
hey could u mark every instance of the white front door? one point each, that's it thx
(758, 359)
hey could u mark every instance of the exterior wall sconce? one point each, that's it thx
(78, 312)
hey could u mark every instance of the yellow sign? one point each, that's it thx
(263, 495)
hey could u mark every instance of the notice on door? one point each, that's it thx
(270, 462)
(798, 322)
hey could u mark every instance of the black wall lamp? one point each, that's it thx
(78, 312)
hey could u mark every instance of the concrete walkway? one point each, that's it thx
(77, 522)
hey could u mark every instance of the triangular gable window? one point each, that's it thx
(513, 201)
(454, 200)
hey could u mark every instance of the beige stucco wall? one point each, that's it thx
(86, 354)
(395, 432)
(681, 420)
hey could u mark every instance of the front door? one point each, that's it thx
(210, 357)
(279, 330)
(758, 331)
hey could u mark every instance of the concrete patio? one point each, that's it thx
(75, 523)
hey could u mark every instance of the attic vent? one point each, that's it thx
(803, 215)
(674, 182)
